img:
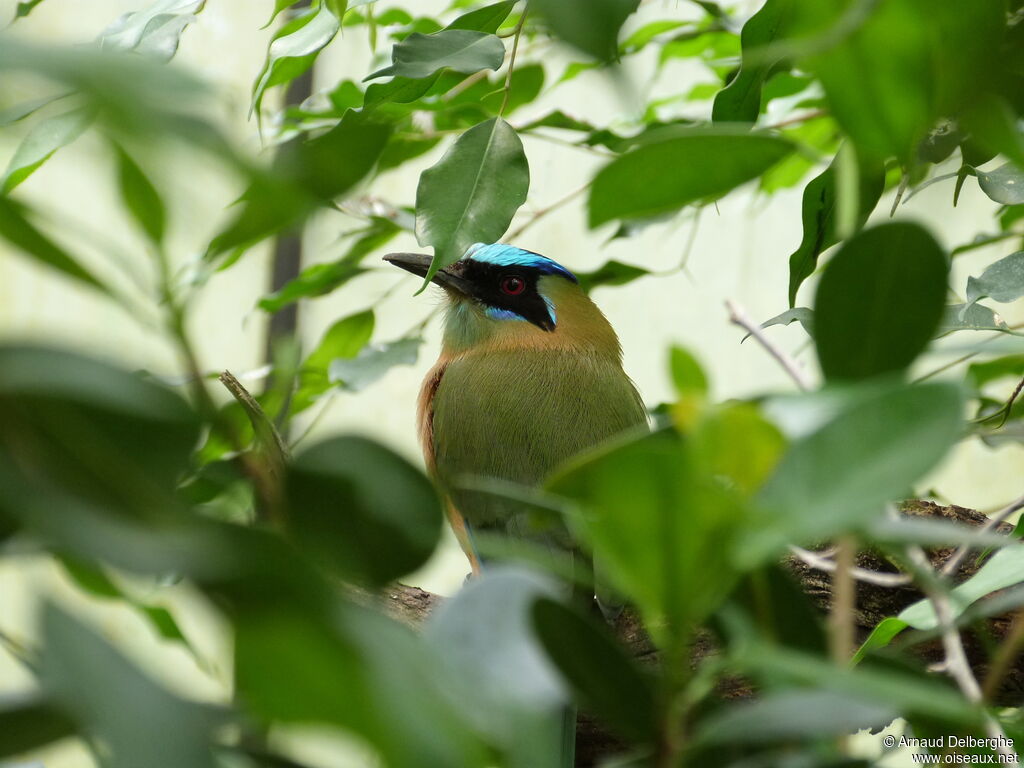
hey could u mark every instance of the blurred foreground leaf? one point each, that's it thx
(590, 25)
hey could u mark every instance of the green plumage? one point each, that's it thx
(517, 414)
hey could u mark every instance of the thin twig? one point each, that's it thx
(797, 119)
(512, 61)
(820, 562)
(904, 181)
(957, 665)
(841, 626)
(953, 564)
(469, 82)
(739, 317)
(542, 212)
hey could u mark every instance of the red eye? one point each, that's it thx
(513, 285)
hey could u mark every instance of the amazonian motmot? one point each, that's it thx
(530, 374)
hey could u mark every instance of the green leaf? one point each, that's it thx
(818, 215)
(292, 51)
(76, 425)
(880, 441)
(969, 317)
(980, 374)
(663, 176)
(279, 5)
(792, 715)
(590, 25)
(398, 90)
(45, 138)
(94, 580)
(889, 77)
(740, 100)
(307, 173)
(321, 279)
(17, 230)
(610, 273)
(141, 198)
(687, 375)
(485, 19)
(879, 301)
(30, 721)
(648, 512)
(362, 510)
(140, 724)
(1004, 185)
(801, 315)
(471, 194)
(24, 8)
(641, 37)
(156, 30)
(17, 112)
(606, 680)
(1002, 281)
(462, 50)
(1004, 569)
(495, 667)
(344, 339)
(372, 362)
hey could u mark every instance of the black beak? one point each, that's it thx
(419, 264)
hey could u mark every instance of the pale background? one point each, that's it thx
(738, 252)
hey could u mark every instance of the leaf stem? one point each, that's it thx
(512, 60)
(737, 316)
(542, 212)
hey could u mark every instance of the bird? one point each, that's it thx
(529, 376)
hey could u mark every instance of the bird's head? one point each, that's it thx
(499, 292)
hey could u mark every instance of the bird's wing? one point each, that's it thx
(425, 419)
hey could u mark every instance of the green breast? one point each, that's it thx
(517, 415)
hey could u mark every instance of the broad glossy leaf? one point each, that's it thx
(45, 138)
(647, 512)
(471, 194)
(155, 30)
(1002, 281)
(610, 273)
(362, 510)
(796, 714)
(462, 50)
(17, 230)
(663, 176)
(1004, 185)
(398, 90)
(495, 666)
(140, 197)
(891, 76)
(485, 19)
(969, 317)
(883, 438)
(30, 721)
(818, 214)
(372, 362)
(879, 301)
(590, 25)
(142, 724)
(279, 5)
(321, 279)
(293, 50)
(342, 340)
(605, 679)
(740, 100)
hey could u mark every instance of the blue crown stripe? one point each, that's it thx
(503, 255)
